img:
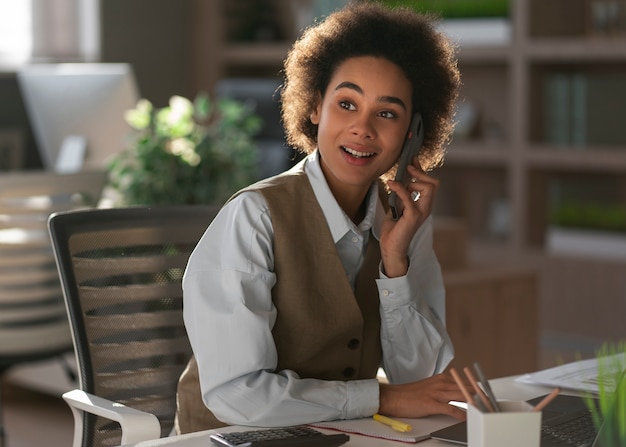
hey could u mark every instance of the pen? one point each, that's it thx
(546, 400)
(396, 425)
(485, 383)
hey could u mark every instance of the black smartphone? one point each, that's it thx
(412, 146)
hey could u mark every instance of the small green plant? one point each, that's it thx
(610, 414)
(198, 152)
(453, 9)
(592, 216)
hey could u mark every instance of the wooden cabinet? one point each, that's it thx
(493, 318)
(492, 310)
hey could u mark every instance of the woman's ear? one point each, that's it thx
(315, 114)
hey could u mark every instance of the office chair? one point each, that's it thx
(33, 321)
(121, 272)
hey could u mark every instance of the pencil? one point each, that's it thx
(546, 400)
(468, 397)
(479, 391)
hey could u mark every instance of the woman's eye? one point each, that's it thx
(346, 105)
(387, 114)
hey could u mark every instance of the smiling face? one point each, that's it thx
(362, 121)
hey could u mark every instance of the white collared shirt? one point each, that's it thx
(229, 315)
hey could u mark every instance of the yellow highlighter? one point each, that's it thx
(396, 425)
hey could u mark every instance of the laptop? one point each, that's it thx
(566, 421)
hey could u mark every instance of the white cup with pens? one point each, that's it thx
(516, 425)
(497, 423)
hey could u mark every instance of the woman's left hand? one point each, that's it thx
(397, 235)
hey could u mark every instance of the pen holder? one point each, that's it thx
(516, 425)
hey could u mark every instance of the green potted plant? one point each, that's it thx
(610, 414)
(188, 152)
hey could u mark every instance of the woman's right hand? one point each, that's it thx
(424, 397)
(396, 236)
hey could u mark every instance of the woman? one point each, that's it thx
(304, 284)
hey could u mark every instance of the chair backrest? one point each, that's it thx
(33, 321)
(121, 271)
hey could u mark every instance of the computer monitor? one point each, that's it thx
(77, 112)
(263, 95)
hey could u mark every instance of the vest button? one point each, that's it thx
(354, 343)
(348, 372)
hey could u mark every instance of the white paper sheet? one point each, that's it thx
(581, 375)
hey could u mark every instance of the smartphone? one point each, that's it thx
(412, 146)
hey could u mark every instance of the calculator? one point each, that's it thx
(296, 436)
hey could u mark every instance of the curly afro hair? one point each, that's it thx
(399, 35)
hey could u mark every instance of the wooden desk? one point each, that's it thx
(505, 388)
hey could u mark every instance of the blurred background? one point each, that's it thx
(532, 205)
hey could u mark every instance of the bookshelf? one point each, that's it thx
(550, 103)
(500, 176)
(226, 44)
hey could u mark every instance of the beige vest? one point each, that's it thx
(323, 330)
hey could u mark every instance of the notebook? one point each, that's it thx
(421, 428)
(565, 414)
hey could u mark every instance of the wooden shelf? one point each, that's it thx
(579, 49)
(485, 55)
(477, 154)
(587, 159)
(256, 54)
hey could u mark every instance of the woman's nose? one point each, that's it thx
(363, 126)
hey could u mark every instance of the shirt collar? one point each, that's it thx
(338, 222)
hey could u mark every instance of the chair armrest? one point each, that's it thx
(136, 425)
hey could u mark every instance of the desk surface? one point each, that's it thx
(504, 388)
